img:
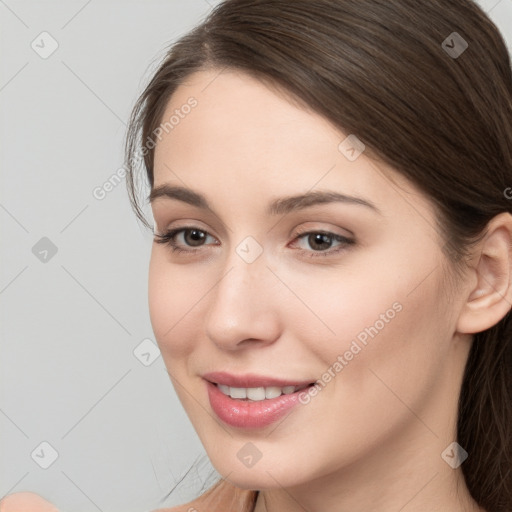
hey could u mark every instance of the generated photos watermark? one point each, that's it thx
(356, 346)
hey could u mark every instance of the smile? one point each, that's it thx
(258, 394)
(251, 401)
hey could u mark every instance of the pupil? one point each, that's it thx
(195, 236)
(319, 239)
(316, 240)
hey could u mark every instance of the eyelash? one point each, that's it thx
(169, 238)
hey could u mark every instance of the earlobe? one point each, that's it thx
(490, 299)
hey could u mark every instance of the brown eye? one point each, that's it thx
(322, 243)
(319, 241)
(182, 240)
(194, 237)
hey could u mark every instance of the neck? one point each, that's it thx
(427, 494)
(404, 471)
(408, 474)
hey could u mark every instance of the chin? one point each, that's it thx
(262, 476)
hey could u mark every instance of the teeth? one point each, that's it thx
(273, 392)
(238, 392)
(257, 394)
(223, 388)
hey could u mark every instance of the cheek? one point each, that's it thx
(395, 346)
(172, 294)
(376, 318)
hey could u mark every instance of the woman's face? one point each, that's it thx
(347, 291)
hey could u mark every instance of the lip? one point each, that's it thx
(247, 414)
(251, 380)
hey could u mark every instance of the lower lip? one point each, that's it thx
(249, 414)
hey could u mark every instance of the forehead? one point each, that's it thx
(255, 140)
(239, 117)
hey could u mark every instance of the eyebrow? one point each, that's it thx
(279, 206)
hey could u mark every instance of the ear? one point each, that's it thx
(490, 299)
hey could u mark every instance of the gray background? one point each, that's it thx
(71, 321)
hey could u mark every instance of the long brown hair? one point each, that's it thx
(428, 87)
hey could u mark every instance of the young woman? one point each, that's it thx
(330, 282)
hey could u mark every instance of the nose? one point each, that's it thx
(243, 308)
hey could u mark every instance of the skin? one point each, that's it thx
(26, 502)
(372, 439)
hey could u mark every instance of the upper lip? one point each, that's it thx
(250, 380)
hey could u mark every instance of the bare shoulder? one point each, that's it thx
(223, 499)
(220, 498)
(192, 506)
(26, 502)
(31, 502)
